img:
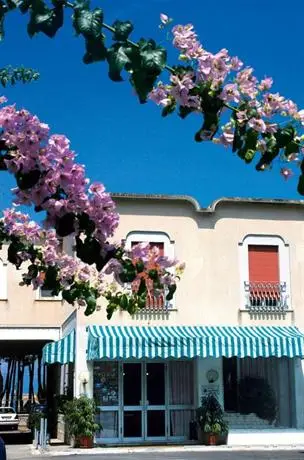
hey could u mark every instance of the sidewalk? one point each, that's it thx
(56, 451)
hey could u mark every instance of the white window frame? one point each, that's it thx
(145, 236)
(3, 280)
(284, 263)
(47, 299)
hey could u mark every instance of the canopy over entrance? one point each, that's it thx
(62, 351)
(139, 342)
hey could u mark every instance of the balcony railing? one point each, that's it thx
(155, 303)
(266, 297)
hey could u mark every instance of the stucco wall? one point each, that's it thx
(210, 291)
(20, 306)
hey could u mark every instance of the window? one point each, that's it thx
(265, 273)
(3, 280)
(165, 246)
(46, 294)
(156, 302)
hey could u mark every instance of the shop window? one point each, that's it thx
(105, 386)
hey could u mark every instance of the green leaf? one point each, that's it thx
(117, 59)
(146, 63)
(285, 136)
(267, 158)
(124, 302)
(91, 305)
(28, 180)
(292, 147)
(171, 291)
(153, 57)
(251, 139)
(301, 185)
(3, 10)
(183, 111)
(95, 50)
(23, 5)
(88, 23)
(44, 19)
(122, 30)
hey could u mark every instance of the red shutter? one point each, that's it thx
(153, 302)
(263, 264)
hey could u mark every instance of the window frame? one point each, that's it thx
(284, 262)
(144, 236)
(3, 280)
(47, 298)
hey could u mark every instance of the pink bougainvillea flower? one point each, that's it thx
(286, 173)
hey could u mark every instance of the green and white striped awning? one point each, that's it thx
(62, 351)
(138, 342)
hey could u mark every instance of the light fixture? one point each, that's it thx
(84, 377)
(212, 375)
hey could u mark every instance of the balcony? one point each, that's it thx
(155, 304)
(266, 297)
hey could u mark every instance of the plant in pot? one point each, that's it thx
(212, 428)
(80, 417)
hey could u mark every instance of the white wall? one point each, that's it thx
(203, 366)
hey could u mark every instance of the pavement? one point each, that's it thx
(214, 453)
(27, 452)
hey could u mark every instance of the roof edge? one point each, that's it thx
(212, 207)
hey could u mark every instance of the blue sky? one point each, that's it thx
(129, 147)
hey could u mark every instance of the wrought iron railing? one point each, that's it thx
(266, 296)
(156, 303)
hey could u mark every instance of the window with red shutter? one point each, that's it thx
(264, 275)
(153, 302)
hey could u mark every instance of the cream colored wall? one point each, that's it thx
(21, 307)
(210, 289)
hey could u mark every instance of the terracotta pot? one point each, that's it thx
(211, 439)
(86, 442)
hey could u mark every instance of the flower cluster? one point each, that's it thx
(53, 268)
(261, 121)
(49, 178)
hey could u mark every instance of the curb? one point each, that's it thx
(150, 450)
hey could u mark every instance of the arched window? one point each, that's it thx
(166, 247)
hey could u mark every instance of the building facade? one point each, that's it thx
(237, 314)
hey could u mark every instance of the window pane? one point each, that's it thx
(132, 384)
(132, 424)
(46, 293)
(155, 384)
(109, 423)
(181, 382)
(180, 422)
(106, 383)
(156, 423)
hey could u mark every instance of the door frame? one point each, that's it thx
(144, 408)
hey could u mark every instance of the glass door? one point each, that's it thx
(155, 413)
(132, 416)
(106, 390)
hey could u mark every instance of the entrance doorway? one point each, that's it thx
(144, 401)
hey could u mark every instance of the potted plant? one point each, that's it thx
(80, 417)
(212, 428)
